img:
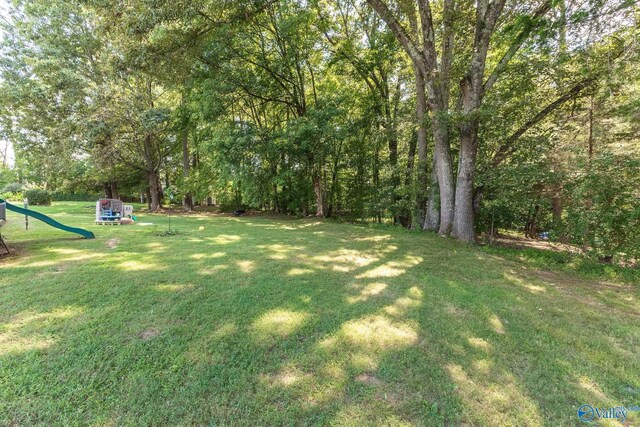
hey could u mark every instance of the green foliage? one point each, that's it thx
(605, 214)
(9, 177)
(300, 107)
(11, 196)
(12, 187)
(38, 197)
(573, 263)
(74, 197)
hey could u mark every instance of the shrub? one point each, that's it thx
(38, 196)
(71, 197)
(604, 217)
(9, 196)
(13, 187)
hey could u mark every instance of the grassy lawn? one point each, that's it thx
(259, 321)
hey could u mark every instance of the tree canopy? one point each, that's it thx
(451, 116)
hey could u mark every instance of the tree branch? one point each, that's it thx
(517, 44)
(508, 146)
(401, 34)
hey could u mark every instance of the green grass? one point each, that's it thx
(263, 321)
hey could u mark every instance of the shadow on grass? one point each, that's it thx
(264, 322)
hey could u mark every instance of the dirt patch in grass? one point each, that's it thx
(112, 243)
(148, 334)
(369, 379)
(526, 243)
(560, 280)
(58, 269)
(15, 250)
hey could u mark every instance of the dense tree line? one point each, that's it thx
(452, 116)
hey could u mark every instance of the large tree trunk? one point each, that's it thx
(556, 203)
(392, 141)
(463, 222)
(421, 111)
(331, 210)
(471, 92)
(432, 219)
(107, 190)
(472, 89)
(115, 194)
(153, 177)
(405, 213)
(161, 199)
(376, 183)
(154, 192)
(444, 169)
(186, 166)
(317, 189)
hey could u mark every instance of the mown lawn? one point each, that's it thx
(259, 321)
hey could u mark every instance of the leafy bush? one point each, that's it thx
(71, 197)
(38, 196)
(12, 196)
(604, 217)
(13, 187)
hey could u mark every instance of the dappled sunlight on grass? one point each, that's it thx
(279, 251)
(309, 224)
(65, 251)
(133, 265)
(225, 330)
(31, 331)
(377, 239)
(156, 247)
(455, 311)
(346, 260)
(225, 239)
(285, 377)
(209, 271)
(84, 256)
(173, 287)
(310, 322)
(299, 271)
(246, 266)
(367, 291)
(278, 323)
(536, 289)
(213, 255)
(359, 414)
(592, 387)
(482, 366)
(496, 324)
(203, 351)
(490, 399)
(480, 343)
(391, 268)
(373, 333)
(38, 264)
(412, 299)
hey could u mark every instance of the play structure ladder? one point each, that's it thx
(3, 219)
(48, 220)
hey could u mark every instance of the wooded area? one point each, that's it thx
(451, 116)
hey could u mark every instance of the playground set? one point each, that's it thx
(3, 220)
(113, 212)
(108, 211)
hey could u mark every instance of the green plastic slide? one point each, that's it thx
(48, 220)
